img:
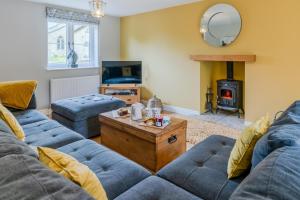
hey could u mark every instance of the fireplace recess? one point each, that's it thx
(222, 104)
(230, 92)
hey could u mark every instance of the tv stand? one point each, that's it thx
(130, 93)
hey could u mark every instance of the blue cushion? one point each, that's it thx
(49, 133)
(116, 173)
(155, 188)
(203, 170)
(4, 127)
(290, 116)
(29, 116)
(84, 107)
(32, 103)
(285, 131)
(276, 177)
(277, 137)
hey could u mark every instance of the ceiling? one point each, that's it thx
(120, 7)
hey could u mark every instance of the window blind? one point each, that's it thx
(70, 15)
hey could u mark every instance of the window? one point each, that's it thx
(65, 36)
(60, 43)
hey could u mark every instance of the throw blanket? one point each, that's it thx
(17, 94)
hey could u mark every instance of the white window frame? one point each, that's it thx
(93, 47)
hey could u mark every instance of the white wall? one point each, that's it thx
(23, 46)
(110, 38)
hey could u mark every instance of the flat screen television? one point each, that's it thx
(122, 72)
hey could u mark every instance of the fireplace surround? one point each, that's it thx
(208, 80)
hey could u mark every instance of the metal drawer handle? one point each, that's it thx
(172, 139)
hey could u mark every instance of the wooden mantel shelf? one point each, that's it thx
(234, 58)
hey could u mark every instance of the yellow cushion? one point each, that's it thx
(241, 154)
(17, 94)
(71, 169)
(11, 121)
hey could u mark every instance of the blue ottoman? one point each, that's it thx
(81, 113)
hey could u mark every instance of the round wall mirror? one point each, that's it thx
(221, 25)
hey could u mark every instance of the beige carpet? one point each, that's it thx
(198, 130)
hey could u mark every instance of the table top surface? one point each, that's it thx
(175, 123)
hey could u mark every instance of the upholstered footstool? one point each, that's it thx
(81, 113)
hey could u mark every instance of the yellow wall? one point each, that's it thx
(164, 39)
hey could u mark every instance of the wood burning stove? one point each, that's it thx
(230, 93)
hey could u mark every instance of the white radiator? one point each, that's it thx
(72, 87)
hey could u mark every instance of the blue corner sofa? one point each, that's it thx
(198, 174)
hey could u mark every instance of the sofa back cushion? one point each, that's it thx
(290, 116)
(276, 177)
(32, 103)
(285, 131)
(23, 177)
(9, 144)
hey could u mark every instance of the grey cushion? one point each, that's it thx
(23, 177)
(32, 103)
(203, 170)
(49, 133)
(277, 136)
(260, 151)
(9, 144)
(290, 116)
(29, 116)
(116, 173)
(155, 188)
(276, 177)
(84, 107)
(285, 131)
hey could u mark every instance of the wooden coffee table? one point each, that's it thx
(152, 148)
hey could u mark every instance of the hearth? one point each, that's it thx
(230, 93)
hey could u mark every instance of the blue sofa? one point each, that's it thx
(117, 174)
(198, 174)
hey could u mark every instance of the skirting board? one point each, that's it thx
(46, 111)
(175, 109)
(179, 110)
